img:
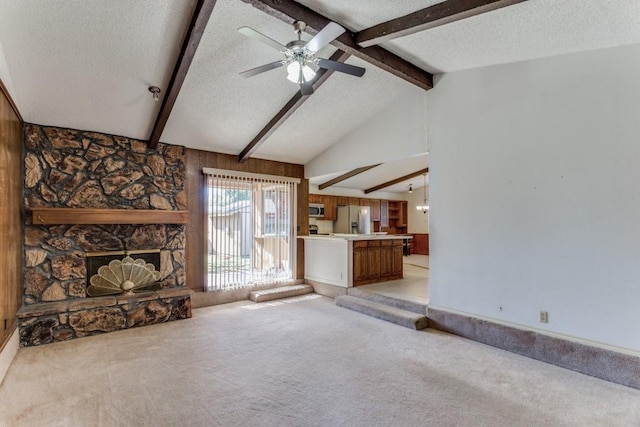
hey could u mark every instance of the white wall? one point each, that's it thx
(396, 133)
(535, 194)
(328, 261)
(418, 221)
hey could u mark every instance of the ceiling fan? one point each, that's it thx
(300, 56)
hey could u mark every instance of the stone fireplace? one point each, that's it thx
(67, 168)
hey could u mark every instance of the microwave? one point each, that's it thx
(316, 210)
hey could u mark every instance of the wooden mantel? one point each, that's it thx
(51, 216)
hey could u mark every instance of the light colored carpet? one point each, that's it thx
(302, 362)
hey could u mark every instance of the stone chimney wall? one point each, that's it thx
(75, 169)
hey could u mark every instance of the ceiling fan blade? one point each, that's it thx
(261, 69)
(342, 67)
(324, 37)
(306, 88)
(251, 33)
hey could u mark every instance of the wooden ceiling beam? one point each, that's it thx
(289, 108)
(345, 176)
(290, 11)
(196, 28)
(396, 181)
(433, 16)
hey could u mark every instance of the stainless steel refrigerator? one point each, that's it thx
(353, 220)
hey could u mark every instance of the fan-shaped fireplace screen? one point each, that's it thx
(112, 273)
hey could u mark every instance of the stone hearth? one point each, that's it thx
(45, 323)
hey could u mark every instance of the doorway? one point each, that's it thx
(250, 231)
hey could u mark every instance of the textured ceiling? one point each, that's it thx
(341, 105)
(529, 30)
(87, 64)
(218, 110)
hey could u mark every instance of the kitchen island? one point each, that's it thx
(336, 262)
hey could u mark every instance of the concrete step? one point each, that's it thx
(390, 301)
(281, 292)
(405, 318)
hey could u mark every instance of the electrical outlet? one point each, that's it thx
(544, 317)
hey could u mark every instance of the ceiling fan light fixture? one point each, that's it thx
(294, 75)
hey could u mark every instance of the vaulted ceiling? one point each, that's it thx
(87, 64)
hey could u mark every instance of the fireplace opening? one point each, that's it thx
(95, 260)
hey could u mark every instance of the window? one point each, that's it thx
(251, 229)
(276, 214)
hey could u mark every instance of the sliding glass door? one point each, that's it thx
(251, 229)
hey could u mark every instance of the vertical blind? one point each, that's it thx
(250, 229)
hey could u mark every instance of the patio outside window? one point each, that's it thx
(250, 229)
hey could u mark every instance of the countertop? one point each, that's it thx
(357, 237)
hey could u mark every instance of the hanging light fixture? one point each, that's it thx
(410, 189)
(424, 207)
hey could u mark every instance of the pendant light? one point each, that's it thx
(424, 207)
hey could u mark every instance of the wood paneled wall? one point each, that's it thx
(420, 244)
(10, 214)
(196, 198)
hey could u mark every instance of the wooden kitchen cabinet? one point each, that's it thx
(330, 205)
(396, 259)
(376, 260)
(375, 210)
(330, 208)
(360, 262)
(354, 201)
(397, 217)
(386, 259)
(343, 201)
(384, 215)
(420, 244)
(315, 198)
(402, 214)
(365, 202)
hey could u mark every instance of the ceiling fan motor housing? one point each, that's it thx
(299, 27)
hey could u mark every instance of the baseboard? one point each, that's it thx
(8, 352)
(597, 362)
